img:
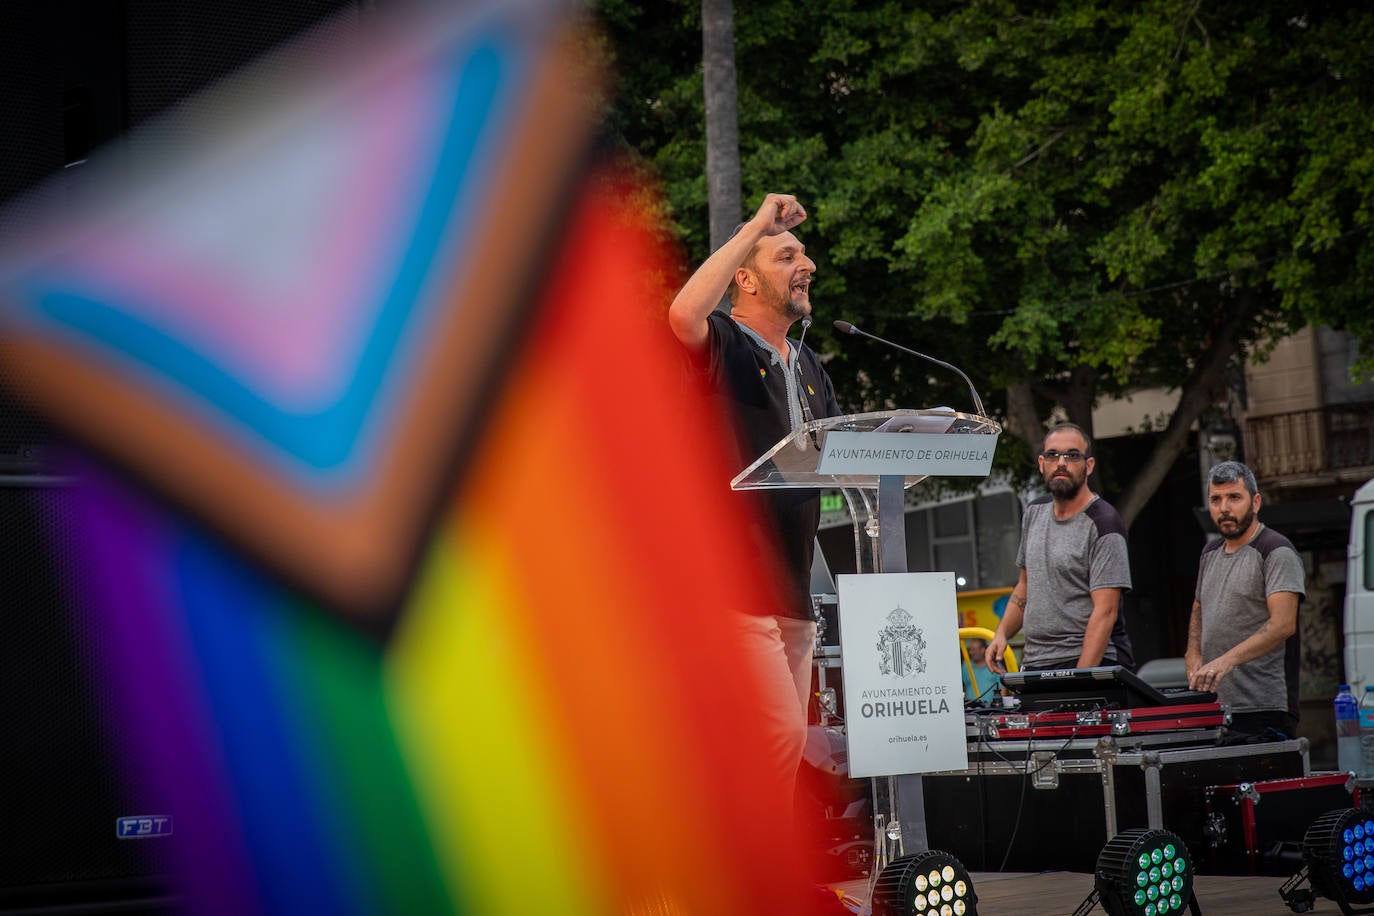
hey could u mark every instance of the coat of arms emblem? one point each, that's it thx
(901, 647)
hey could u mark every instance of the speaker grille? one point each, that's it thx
(62, 790)
(176, 49)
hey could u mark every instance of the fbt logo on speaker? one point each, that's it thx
(144, 826)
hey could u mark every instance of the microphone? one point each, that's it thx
(807, 415)
(844, 327)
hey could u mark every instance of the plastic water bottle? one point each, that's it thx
(1349, 754)
(1367, 731)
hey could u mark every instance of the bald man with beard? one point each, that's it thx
(1074, 568)
(765, 382)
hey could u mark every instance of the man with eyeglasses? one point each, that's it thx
(766, 383)
(1074, 568)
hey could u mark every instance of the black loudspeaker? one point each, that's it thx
(61, 793)
(75, 75)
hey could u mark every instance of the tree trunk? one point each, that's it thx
(1208, 375)
(722, 119)
(1078, 397)
(1022, 420)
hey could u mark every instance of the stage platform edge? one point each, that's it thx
(1059, 894)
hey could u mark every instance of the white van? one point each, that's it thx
(1359, 591)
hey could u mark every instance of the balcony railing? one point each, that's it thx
(1308, 442)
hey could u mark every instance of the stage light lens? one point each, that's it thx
(1338, 850)
(1141, 872)
(928, 883)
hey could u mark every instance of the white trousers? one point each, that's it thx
(783, 649)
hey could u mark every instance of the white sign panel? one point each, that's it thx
(903, 454)
(903, 697)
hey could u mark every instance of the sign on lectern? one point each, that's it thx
(858, 450)
(904, 698)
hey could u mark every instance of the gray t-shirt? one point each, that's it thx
(1232, 590)
(1065, 561)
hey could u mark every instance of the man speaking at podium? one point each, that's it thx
(768, 385)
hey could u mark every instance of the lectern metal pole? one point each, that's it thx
(905, 794)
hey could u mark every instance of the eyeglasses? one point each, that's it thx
(1072, 456)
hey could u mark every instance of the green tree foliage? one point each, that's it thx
(1071, 199)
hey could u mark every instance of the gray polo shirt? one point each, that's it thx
(1233, 591)
(1065, 561)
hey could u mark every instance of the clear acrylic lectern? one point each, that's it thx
(803, 460)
